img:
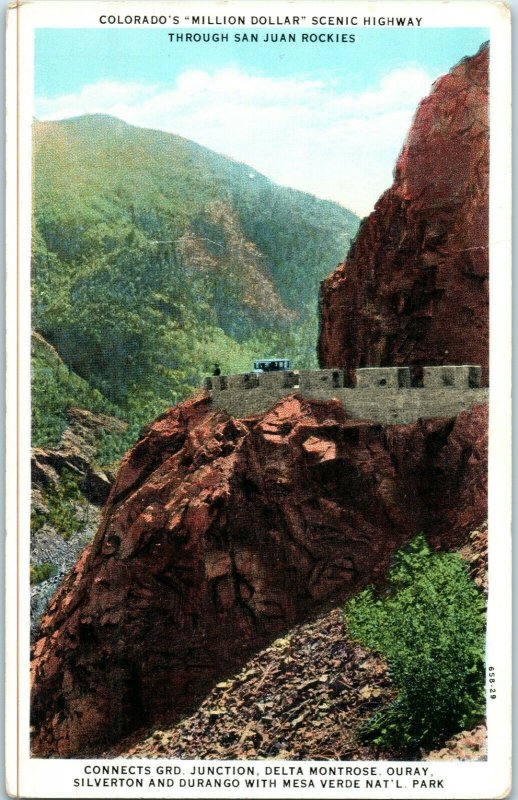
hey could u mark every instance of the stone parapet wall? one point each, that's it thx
(276, 380)
(464, 377)
(320, 379)
(284, 379)
(248, 404)
(386, 406)
(383, 377)
(400, 406)
(382, 394)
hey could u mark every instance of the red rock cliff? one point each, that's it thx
(414, 287)
(218, 534)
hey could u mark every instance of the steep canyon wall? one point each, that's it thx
(414, 287)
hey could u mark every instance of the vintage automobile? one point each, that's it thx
(271, 364)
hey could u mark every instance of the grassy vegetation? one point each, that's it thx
(55, 389)
(429, 624)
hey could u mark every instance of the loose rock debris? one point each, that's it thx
(303, 697)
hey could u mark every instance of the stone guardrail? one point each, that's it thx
(382, 394)
(458, 377)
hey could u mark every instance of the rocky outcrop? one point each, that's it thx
(475, 553)
(218, 534)
(465, 746)
(414, 287)
(77, 452)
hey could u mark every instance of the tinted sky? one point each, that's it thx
(329, 119)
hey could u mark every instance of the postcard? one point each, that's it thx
(259, 376)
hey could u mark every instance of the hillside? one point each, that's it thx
(305, 696)
(56, 389)
(155, 257)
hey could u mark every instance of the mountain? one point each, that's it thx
(155, 257)
(414, 287)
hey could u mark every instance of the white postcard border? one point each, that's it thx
(54, 777)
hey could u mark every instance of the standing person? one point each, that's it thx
(217, 370)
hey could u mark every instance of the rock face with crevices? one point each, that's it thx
(414, 287)
(218, 534)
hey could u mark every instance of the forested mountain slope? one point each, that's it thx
(155, 257)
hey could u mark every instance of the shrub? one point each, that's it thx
(41, 572)
(429, 624)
